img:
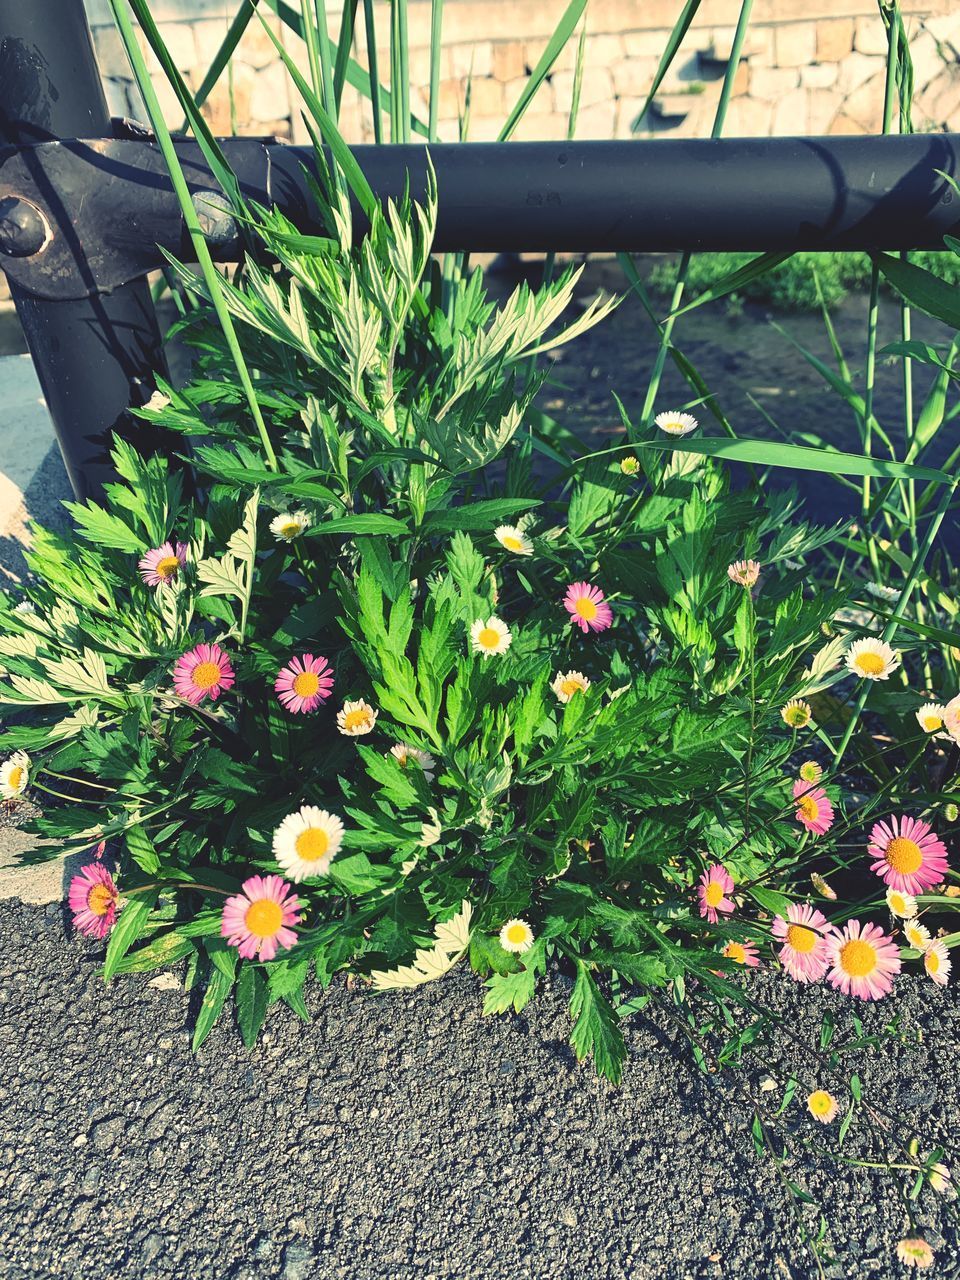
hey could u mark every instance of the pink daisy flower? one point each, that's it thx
(204, 672)
(304, 683)
(864, 961)
(715, 884)
(909, 854)
(94, 900)
(744, 953)
(814, 810)
(261, 917)
(805, 933)
(588, 607)
(161, 566)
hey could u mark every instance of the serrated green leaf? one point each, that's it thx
(130, 924)
(251, 1002)
(214, 998)
(596, 1028)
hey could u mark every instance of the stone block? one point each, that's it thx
(834, 39)
(945, 27)
(509, 60)
(218, 110)
(865, 105)
(790, 115)
(270, 94)
(748, 118)
(256, 48)
(601, 50)
(822, 108)
(644, 44)
(169, 102)
(870, 36)
(757, 43)
(930, 57)
(542, 128)
(843, 124)
(633, 76)
(543, 102)
(939, 105)
(628, 109)
(795, 44)
(821, 75)
(770, 83)
(596, 121)
(596, 86)
(111, 55)
(856, 69)
(487, 98)
(484, 128)
(450, 99)
(181, 45)
(465, 59)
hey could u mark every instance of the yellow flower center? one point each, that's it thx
(897, 904)
(312, 844)
(932, 961)
(714, 894)
(800, 938)
(820, 1102)
(306, 684)
(858, 958)
(15, 777)
(356, 719)
(289, 529)
(932, 723)
(903, 855)
(570, 687)
(99, 899)
(488, 638)
(512, 543)
(516, 934)
(168, 568)
(797, 717)
(263, 918)
(808, 807)
(586, 608)
(205, 675)
(735, 951)
(672, 424)
(871, 664)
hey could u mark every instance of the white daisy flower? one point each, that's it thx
(676, 424)
(918, 935)
(567, 683)
(872, 658)
(882, 592)
(289, 525)
(14, 775)
(936, 961)
(490, 637)
(513, 539)
(516, 936)
(930, 717)
(403, 754)
(356, 718)
(306, 842)
(25, 606)
(901, 904)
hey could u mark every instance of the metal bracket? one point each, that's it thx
(79, 218)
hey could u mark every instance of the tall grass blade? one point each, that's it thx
(564, 30)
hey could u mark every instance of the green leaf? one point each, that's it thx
(596, 1028)
(130, 924)
(251, 1002)
(365, 523)
(104, 529)
(165, 950)
(509, 990)
(772, 453)
(481, 516)
(356, 874)
(141, 850)
(214, 998)
(776, 903)
(922, 289)
(674, 40)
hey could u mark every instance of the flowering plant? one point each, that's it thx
(418, 677)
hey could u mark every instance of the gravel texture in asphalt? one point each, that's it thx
(406, 1137)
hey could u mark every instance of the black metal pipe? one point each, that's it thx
(95, 355)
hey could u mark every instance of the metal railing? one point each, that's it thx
(86, 207)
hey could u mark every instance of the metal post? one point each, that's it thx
(94, 356)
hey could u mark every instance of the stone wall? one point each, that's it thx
(808, 67)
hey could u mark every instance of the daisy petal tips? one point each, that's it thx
(872, 659)
(676, 424)
(588, 607)
(161, 566)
